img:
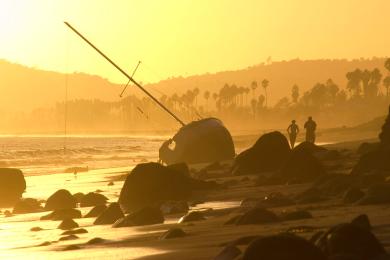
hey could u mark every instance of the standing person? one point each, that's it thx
(310, 127)
(293, 131)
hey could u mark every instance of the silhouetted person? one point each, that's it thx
(310, 127)
(293, 131)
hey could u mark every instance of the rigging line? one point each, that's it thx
(66, 94)
(128, 82)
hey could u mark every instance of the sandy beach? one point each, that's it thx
(204, 240)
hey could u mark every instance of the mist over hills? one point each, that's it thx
(24, 88)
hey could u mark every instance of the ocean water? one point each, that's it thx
(37, 155)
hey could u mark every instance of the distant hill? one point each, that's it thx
(282, 76)
(23, 88)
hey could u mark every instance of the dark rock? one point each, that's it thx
(12, 186)
(78, 196)
(232, 220)
(61, 214)
(352, 195)
(301, 166)
(111, 183)
(71, 247)
(93, 199)
(367, 147)
(95, 241)
(70, 237)
(61, 199)
(46, 243)
(173, 233)
(350, 239)
(174, 207)
(311, 195)
(98, 191)
(110, 215)
(145, 216)
(151, 183)
(296, 215)
(275, 199)
(228, 253)
(344, 257)
(374, 161)
(269, 152)
(75, 231)
(8, 214)
(181, 168)
(192, 216)
(95, 211)
(362, 221)
(27, 205)
(257, 216)
(282, 247)
(35, 229)
(67, 224)
(334, 184)
(376, 194)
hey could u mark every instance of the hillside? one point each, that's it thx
(19, 83)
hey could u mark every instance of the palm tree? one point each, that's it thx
(265, 84)
(254, 87)
(206, 96)
(295, 93)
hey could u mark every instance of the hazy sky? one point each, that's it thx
(185, 37)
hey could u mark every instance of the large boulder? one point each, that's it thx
(269, 152)
(150, 184)
(145, 216)
(377, 160)
(301, 166)
(61, 199)
(350, 239)
(282, 247)
(202, 141)
(12, 186)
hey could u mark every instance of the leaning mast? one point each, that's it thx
(127, 75)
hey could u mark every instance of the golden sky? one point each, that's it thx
(185, 37)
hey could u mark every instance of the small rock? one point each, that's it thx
(93, 199)
(145, 216)
(173, 233)
(61, 199)
(35, 229)
(27, 205)
(174, 207)
(95, 211)
(110, 183)
(96, 240)
(75, 231)
(78, 196)
(61, 214)
(46, 243)
(228, 253)
(110, 215)
(67, 224)
(295, 215)
(362, 221)
(192, 216)
(71, 247)
(70, 237)
(257, 216)
(352, 195)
